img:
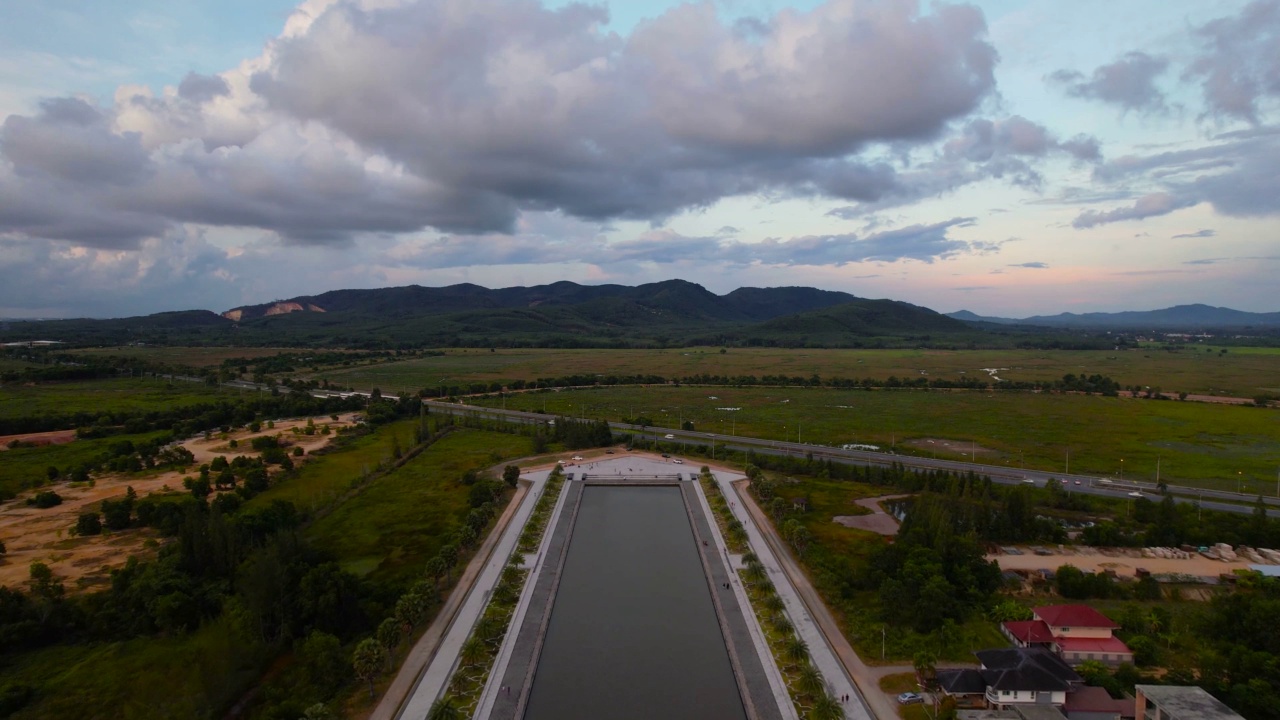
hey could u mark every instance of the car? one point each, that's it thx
(1029, 481)
(665, 455)
(669, 437)
(608, 452)
(559, 462)
(577, 457)
(910, 698)
(1135, 494)
(678, 461)
(1077, 482)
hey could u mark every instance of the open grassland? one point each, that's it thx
(325, 478)
(189, 356)
(178, 677)
(101, 397)
(1203, 444)
(1242, 372)
(393, 526)
(7, 364)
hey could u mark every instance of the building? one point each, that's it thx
(1075, 632)
(1011, 677)
(1176, 702)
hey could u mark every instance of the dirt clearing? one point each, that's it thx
(32, 534)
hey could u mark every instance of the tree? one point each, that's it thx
(368, 660)
(444, 709)
(389, 636)
(319, 711)
(811, 682)
(473, 651)
(410, 609)
(511, 475)
(796, 651)
(89, 524)
(826, 707)
(436, 568)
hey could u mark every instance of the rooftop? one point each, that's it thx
(1179, 702)
(1094, 645)
(1089, 699)
(1033, 668)
(1029, 631)
(1073, 616)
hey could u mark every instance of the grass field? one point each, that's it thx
(180, 677)
(1242, 372)
(323, 479)
(189, 356)
(101, 396)
(1196, 443)
(401, 519)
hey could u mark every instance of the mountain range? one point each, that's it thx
(1179, 317)
(566, 314)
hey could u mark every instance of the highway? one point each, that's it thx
(1221, 500)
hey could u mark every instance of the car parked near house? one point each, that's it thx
(910, 698)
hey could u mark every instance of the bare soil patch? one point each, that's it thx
(56, 437)
(1124, 561)
(877, 521)
(31, 534)
(942, 446)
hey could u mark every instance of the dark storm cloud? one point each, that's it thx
(1238, 65)
(1128, 82)
(462, 116)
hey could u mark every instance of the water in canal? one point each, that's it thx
(633, 633)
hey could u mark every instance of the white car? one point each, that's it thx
(1135, 494)
(670, 437)
(577, 457)
(678, 461)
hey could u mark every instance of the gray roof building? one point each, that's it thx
(1178, 702)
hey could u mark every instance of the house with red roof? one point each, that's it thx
(1076, 633)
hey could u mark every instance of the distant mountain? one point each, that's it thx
(1180, 317)
(562, 314)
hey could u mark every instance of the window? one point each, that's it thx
(1004, 693)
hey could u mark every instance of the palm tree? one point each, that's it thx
(755, 572)
(781, 623)
(473, 651)
(444, 709)
(367, 661)
(826, 708)
(774, 603)
(811, 682)
(796, 651)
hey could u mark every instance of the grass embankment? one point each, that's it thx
(731, 529)
(102, 397)
(1242, 372)
(481, 648)
(199, 357)
(389, 529)
(1196, 443)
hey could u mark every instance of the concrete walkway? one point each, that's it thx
(439, 647)
(427, 647)
(829, 650)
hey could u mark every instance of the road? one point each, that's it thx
(1221, 500)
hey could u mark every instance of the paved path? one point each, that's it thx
(430, 663)
(844, 671)
(427, 647)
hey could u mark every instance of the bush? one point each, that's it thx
(45, 499)
(89, 524)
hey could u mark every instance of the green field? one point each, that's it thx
(101, 397)
(1242, 372)
(198, 357)
(401, 519)
(178, 677)
(1197, 443)
(323, 479)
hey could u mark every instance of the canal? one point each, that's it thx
(633, 632)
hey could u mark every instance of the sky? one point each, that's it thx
(1010, 157)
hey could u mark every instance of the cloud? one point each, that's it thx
(1238, 65)
(1197, 234)
(1128, 82)
(1034, 265)
(923, 243)
(1206, 261)
(366, 118)
(1146, 206)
